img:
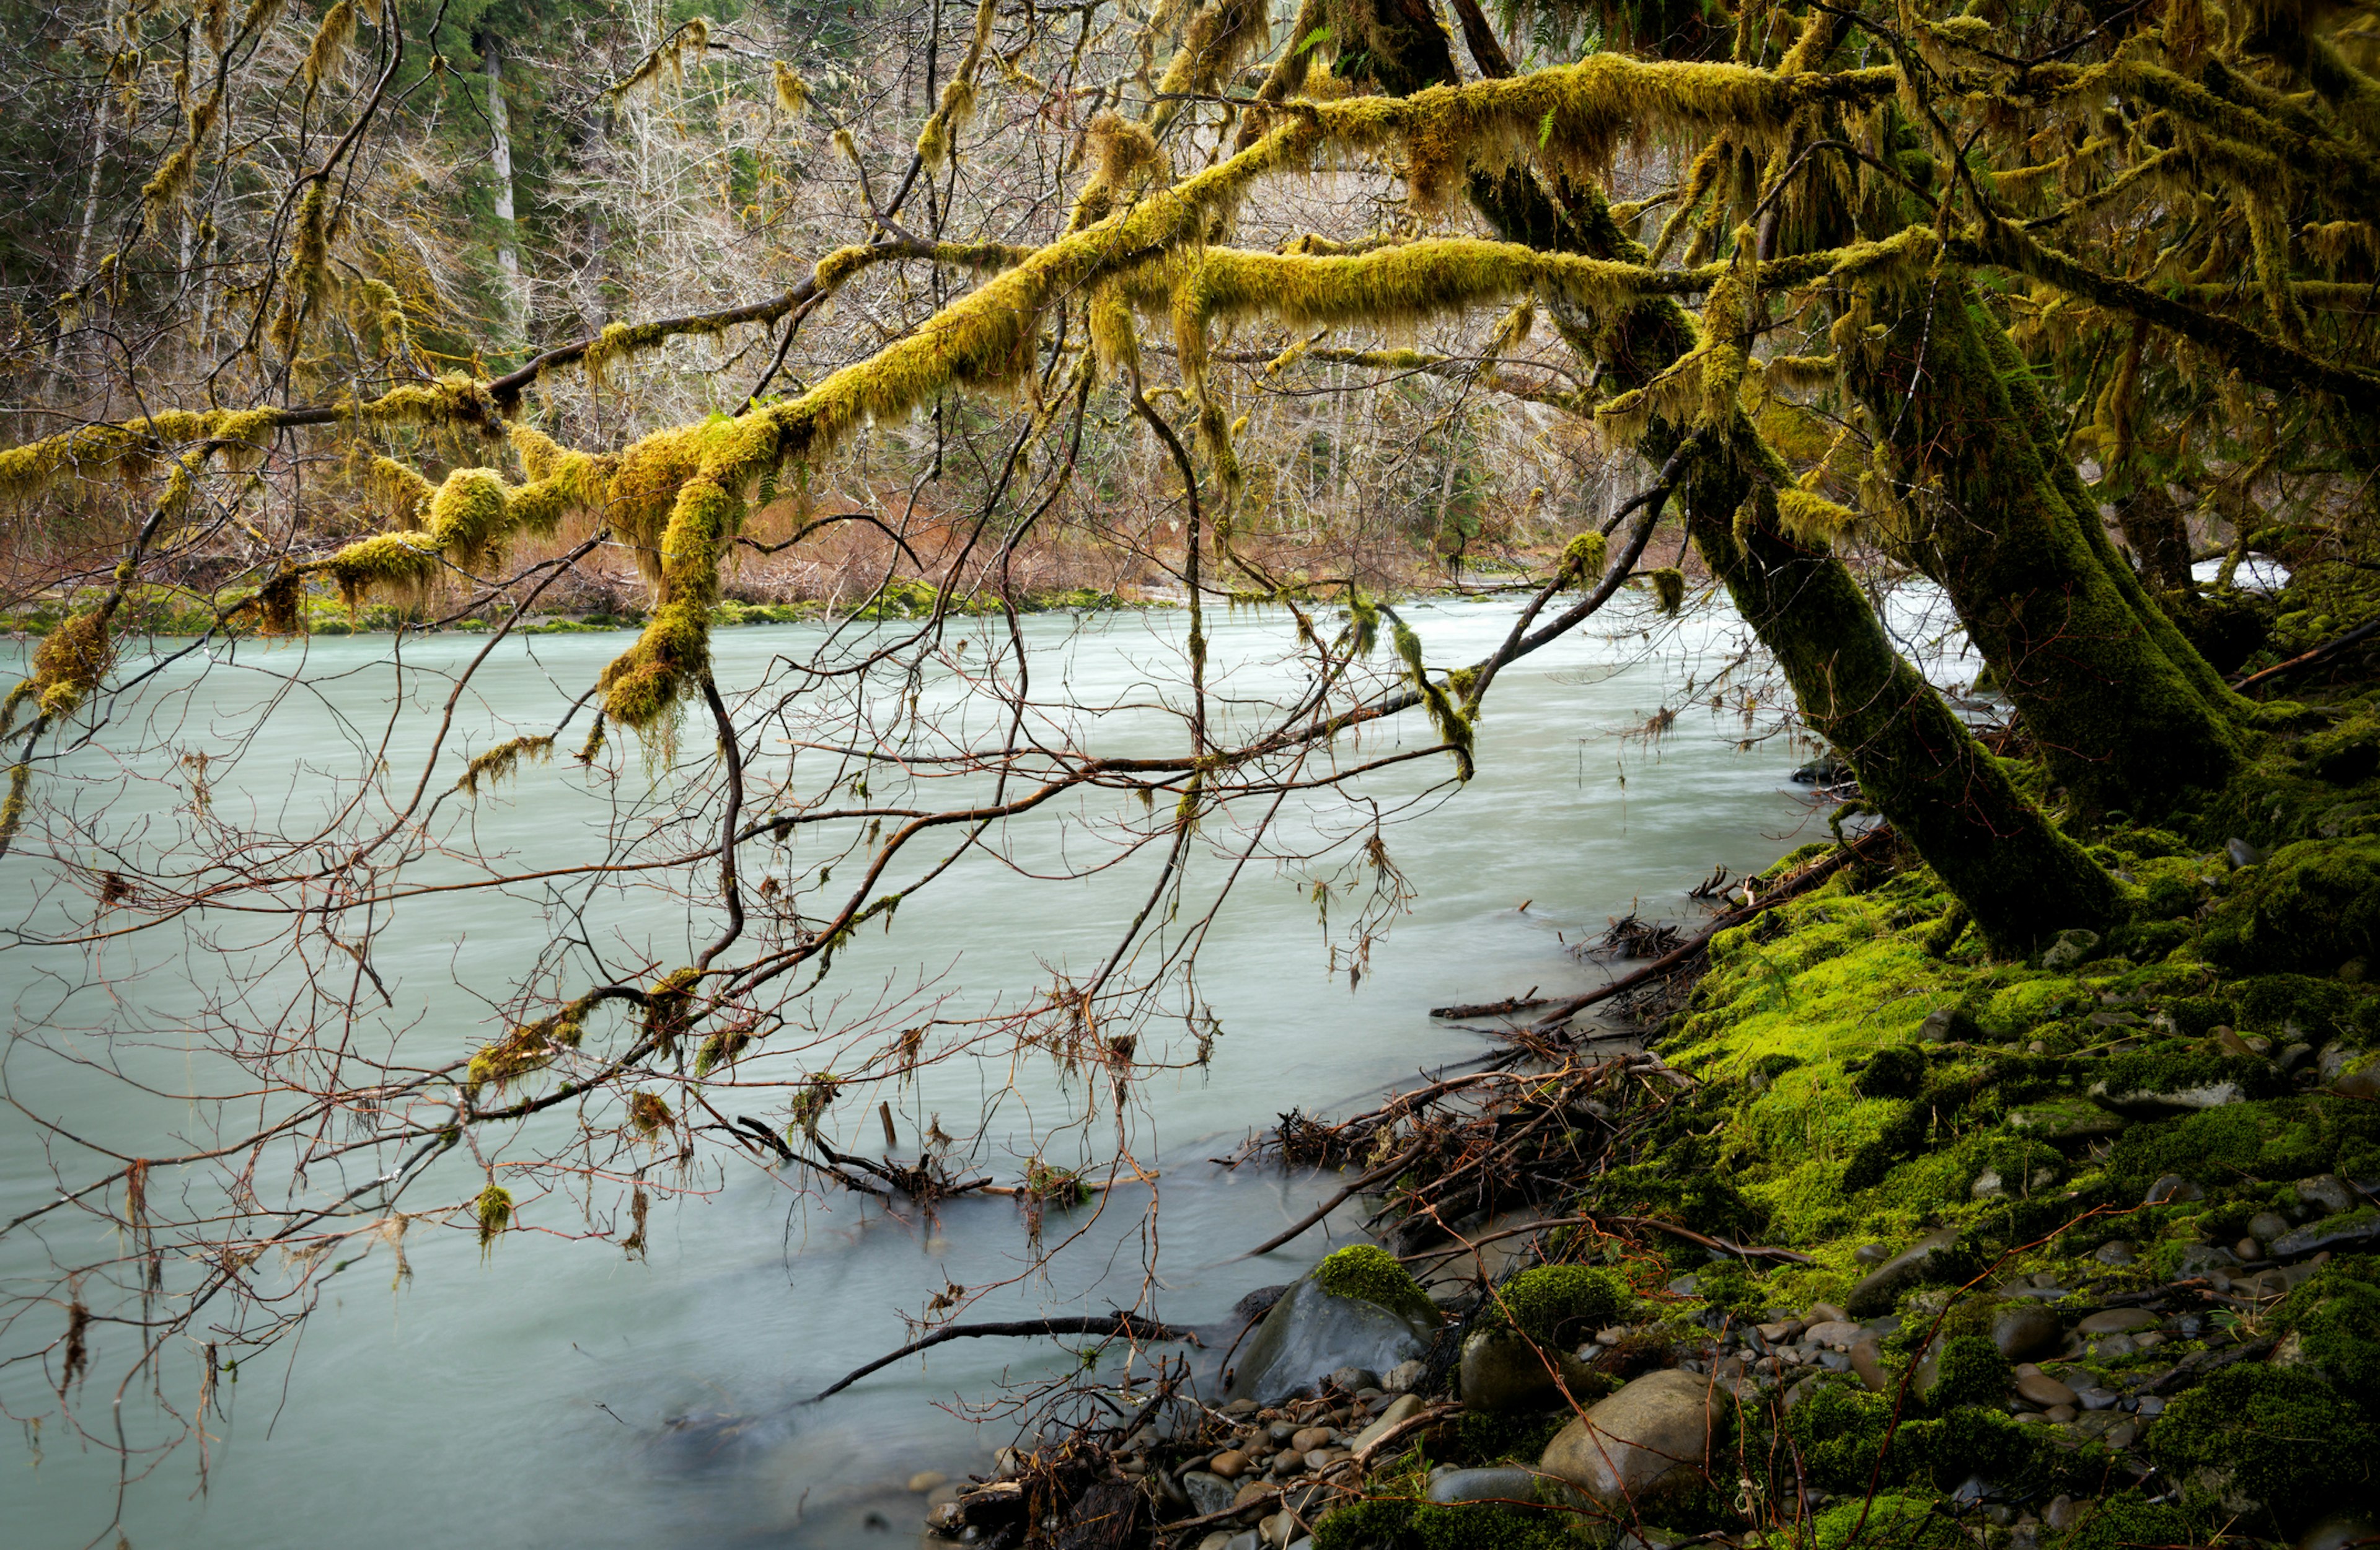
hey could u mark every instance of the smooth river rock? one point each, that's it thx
(2025, 1332)
(1507, 1484)
(1502, 1373)
(1642, 1446)
(1312, 1333)
(1881, 1287)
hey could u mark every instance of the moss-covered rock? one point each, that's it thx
(2128, 1519)
(2334, 1324)
(1560, 1304)
(2280, 1443)
(1969, 1369)
(2309, 908)
(1371, 1274)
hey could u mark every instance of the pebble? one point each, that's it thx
(2151, 1406)
(2042, 1390)
(1208, 1493)
(1872, 1254)
(926, 1480)
(1308, 1439)
(2059, 1513)
(1868, 1362)
(2095, 1398)
(2061, 1414)
(2120, 1252)
(1320, 1458)
(2115, 1321)
(1219, 1540)
(1825, 1312)
(2265, 1226)
(1404, 1407)
(1230, 1465)
(1780, 1334)
(1349, 1379)
(2173, 1187)
(1834, 1334)
(1404, 1377)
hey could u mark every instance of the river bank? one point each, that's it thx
(1881, 1241)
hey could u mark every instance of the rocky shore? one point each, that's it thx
(1885, 1242)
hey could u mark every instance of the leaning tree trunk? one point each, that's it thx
(2127, 714)
(2020, 878)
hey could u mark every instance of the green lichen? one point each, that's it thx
(1368, 1272)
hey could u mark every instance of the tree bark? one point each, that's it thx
(2126, 712)
(514, 296)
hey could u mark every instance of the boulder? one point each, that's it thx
(1921, 1260)
(2327, 1192)
(1641, 1447)
(1502, 1373)
(2055, 1120)
(2022, 1332)
(2071, 949)
(1358, 1308)
(2351, 1231)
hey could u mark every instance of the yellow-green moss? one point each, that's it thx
(1368, 1272)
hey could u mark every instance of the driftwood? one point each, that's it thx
(1124, 1324)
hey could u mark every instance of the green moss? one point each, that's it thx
(1971, 1441)
(2282, 1138)
(1561, 1304)
(2128, 1520)
(2336, 1320)
(1371, 1274)
(2309, 908)
(1837, 1429)
(1969, 1371)
(2284, 1439)
(1888, 1521)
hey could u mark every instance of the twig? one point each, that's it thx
(1385, 1170)
(1124, 1324)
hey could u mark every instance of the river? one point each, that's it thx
(519, 1398)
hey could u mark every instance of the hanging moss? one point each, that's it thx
(1668, 590)
(72, 659)
(398, 565)
(501, 761)
(493, 1210)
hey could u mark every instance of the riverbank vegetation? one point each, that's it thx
(902, 321)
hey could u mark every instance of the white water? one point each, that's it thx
(518, 1401)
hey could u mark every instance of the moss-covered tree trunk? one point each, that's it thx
(2125, 711)
(2020, 877)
